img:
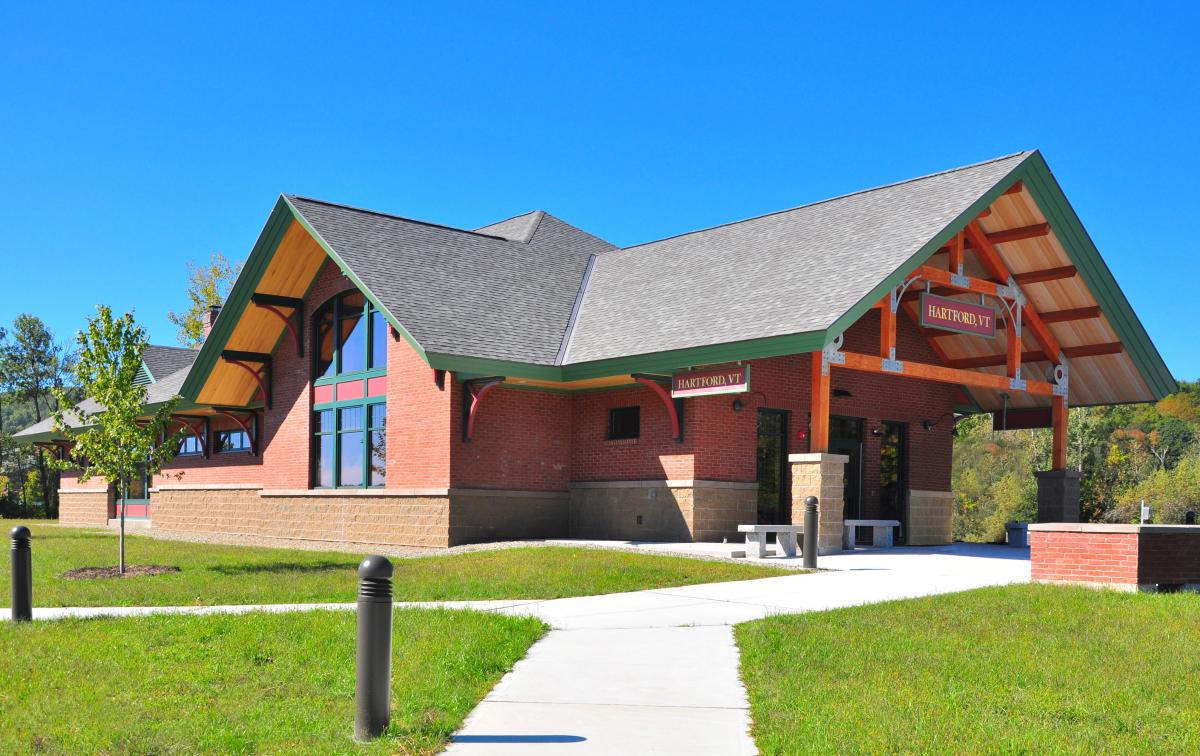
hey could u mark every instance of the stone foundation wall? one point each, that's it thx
(83, 506)
(661, 510)
(386, 518)
(479, 515)
(820, 475)
(930, 518)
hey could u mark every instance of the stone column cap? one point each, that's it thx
(818, 457)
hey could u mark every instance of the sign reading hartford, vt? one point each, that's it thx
(733, 380)
(960, 317)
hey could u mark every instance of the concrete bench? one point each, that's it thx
(756, 538)
(881, 532)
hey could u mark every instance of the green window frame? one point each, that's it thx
(366, 349)
(350, 444)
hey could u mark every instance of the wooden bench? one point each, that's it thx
(785, 537)
(881, 532)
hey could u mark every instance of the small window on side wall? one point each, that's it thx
(228, 441)
(624, 422)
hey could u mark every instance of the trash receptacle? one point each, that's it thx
(1018, 533)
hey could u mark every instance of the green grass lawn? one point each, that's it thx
(249, 683)
(1026, 668)
(214, 574)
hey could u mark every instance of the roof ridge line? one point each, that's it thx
(565, 346)
(831, 199)
(393, 216)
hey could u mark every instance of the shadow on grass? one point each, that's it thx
(277, 567)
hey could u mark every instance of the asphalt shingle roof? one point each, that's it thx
(789, 272)
(162, 361)
(463, 292)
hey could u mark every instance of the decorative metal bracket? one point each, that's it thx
(832, 353)
(1062, 379)
(891, 365)
(262, 376)
(294, 322)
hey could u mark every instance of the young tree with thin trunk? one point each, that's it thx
(116, 441)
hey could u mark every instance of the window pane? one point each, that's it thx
(350, 464)
(624, 422)
(324, 337)
(325, 421)
(353, 334)
(232, 440)
(378, 415)
(379, 333)
(378, 468)
(137, 486)
(351, 418)
(324, 472)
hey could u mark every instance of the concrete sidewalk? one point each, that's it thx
(657, 671)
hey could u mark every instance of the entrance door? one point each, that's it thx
(773, 488)
(846, 437)
(893, 475)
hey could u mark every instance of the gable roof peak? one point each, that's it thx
(391, 216)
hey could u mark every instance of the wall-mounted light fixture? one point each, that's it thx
(737, 405)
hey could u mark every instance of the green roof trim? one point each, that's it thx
(256, 265)
(1069, 230)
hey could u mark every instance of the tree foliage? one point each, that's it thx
(208, 285)
(1126, 454)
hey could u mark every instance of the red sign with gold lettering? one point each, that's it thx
(960, 317)
(733, 380)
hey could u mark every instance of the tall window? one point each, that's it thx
(349, 409)
(351, 336)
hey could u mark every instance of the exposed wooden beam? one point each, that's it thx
(1041, 276)
(887, 329)
(236, 356)
(1059, 419)
(1004, 236)
(993, 360)
(818, 439)
(1054, 316)
(996, 268)
(1015, 188)
(276, 300)
(873, 364)
(1017, 234)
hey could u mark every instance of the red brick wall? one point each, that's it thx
(1065, 556)
(522, 441)
(720, 444)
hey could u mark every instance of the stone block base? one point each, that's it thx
(662, 510)
(84, 506)
(823, 476)
(930, 518)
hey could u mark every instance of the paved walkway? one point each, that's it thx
(657, 671)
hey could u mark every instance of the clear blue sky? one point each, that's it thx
(134, 137)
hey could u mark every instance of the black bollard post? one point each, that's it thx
(373, 668)
(810, 532)
(1190, 517)
(22, 575)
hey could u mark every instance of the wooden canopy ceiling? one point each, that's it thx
(1101, 372)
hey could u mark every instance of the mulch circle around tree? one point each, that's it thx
(133, 570)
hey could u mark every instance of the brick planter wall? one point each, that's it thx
(1125, 557)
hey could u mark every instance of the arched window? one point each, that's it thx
(349, 447)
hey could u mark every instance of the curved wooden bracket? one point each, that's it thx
(261, 377)
(245, 421)
(473, 393)
(671, 404)
(289, 323)
(198, 430)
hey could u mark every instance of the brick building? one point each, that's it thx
(377, 379)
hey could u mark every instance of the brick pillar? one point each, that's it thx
(1058, 495)
(823, 476)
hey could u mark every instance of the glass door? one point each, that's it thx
(893, 475)
(773, 479)
(846, 437)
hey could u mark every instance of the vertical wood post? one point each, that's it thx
(887, 329)
(1059, 417)
(819, 433)
(1013, 336)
